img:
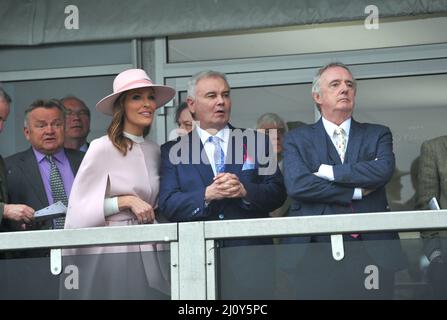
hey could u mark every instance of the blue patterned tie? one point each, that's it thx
(219, 155)
(57, 190)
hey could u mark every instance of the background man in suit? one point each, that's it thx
(15, 212)
(28, 172)
(335, 166)
(77, 123)
(218, 186)
(433, 183)
(28, 179)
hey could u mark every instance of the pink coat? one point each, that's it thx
(104, 173)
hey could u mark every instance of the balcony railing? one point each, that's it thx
(194, 248)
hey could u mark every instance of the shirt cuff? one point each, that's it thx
(111, 206)
(326, 171)
(357, 194)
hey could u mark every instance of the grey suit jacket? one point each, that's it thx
(25, 184)
(432, 173)
(432, 182)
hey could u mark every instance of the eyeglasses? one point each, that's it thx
(80, 113)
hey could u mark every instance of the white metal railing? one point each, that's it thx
(327, 224)
(193, 243)
(334, 225)
(88, 236)
(69, 238)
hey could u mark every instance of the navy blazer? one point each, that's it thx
(182, 198)
(369, 163)
(182, 186)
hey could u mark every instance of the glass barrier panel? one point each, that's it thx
(108, 272)
(388, 266)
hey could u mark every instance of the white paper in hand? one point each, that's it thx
(55, 210)
(433, 204)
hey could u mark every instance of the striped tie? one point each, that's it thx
(57, 190)
(218, 155)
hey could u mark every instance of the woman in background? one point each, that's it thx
(183, 119)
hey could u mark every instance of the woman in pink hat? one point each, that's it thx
(117, 184)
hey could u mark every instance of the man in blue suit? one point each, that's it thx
(218, 172)
(338, 165)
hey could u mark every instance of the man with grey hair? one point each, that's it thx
(19, 213)
(44, 173)
(337, 166)
(218, 186)
(77, 123)
(210, 105)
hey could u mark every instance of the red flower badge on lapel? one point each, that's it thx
(249, 162)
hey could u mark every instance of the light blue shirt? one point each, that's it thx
(223, 135)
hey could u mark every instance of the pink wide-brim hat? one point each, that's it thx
(133, 79)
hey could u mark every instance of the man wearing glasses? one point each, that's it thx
(77, 123)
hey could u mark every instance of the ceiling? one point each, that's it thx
(306, 39)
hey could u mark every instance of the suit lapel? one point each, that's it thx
(30, 169)
(232, 165)
(74, 163)
(332, 151)
(205, 170)
(324, 146)
(355, 141)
